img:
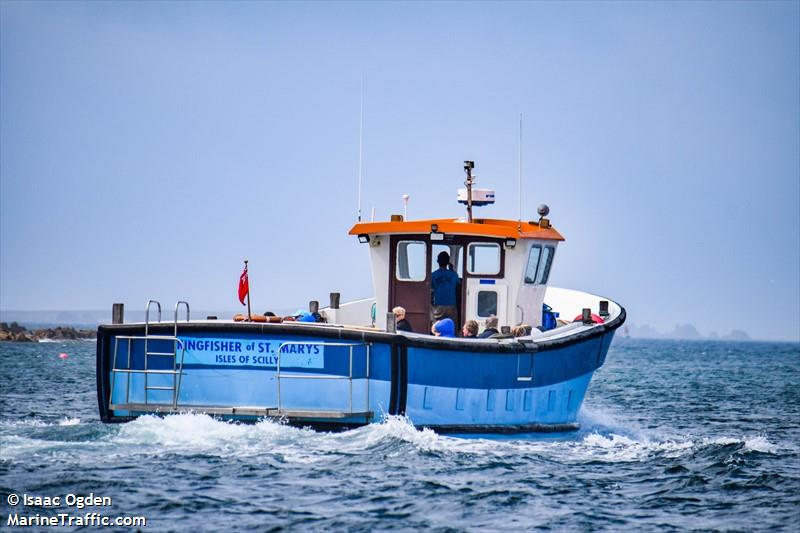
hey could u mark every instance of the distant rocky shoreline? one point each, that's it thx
(17, 333)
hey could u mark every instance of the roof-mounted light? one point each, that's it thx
(363, 238)
(511, 243)
(436, 235)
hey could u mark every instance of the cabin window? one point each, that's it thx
(487, 303)
(483, 258)
(455, 256)
(411, 260)
(533, 264)
(539, 260)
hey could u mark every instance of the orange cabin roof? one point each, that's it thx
(484, 227)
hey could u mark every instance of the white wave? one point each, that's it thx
(48, 340)
(400, 428)
(190, 434)
(758, 443)
(22, 423)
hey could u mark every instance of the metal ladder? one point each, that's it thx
(177, 366)
(176, 374)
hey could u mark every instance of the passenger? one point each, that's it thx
(400, 318)
(444, 283)
(522, 330)
(470, 329)
(306, 316)
(444, 328)
(491, 328)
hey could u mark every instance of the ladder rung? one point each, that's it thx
(167, 354)
(128, 371)
(160, 388)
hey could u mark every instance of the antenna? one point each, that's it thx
(360, 145)
(405, 206)
(519, 174)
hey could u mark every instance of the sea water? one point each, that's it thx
(674, 436)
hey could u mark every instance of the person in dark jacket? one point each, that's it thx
(444, 283)
(400, 317)
(491, 328)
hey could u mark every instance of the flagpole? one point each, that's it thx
(249, 316)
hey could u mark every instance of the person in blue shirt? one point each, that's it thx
(444, 283)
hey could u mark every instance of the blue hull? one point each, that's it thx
(338, 378)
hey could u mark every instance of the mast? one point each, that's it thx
(468, 166)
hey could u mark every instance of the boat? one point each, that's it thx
(347, 365)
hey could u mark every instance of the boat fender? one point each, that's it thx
(254, 318)
(595, 318)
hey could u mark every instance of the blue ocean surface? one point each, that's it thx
(674, 436)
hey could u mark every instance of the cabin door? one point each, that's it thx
(410, 285)
(487, 297)
(413, 258)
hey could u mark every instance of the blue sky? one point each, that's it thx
(147, 148)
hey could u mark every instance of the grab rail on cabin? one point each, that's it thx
(349, 376)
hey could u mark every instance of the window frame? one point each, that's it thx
(528, 263)
(500, 262)
(424, 262)
(546, 267)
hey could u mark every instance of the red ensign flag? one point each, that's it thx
(244, 286)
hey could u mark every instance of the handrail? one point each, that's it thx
(177, 305)
(348, 377)
(147, 313)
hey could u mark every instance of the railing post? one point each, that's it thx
(350, 401)
(278, 376)
(366, 380)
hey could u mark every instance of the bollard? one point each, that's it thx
(505, 330)
(335, 300)
(313, 306)
(586, 316)
(117, 313)
(391, 323)
(603, 308)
